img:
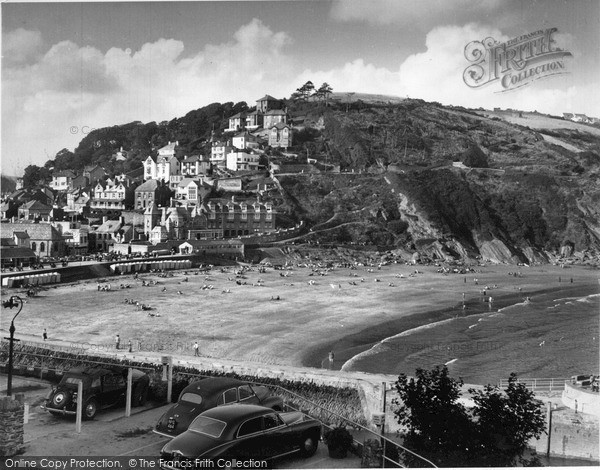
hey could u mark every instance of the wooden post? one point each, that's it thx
(549, 420)
(129, 392)
(79, 406)
(383, 404)
(170, 379)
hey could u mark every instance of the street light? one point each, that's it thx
(14, 301)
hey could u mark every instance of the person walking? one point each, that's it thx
(45, 334)
(130, 346)
(196, 352)
(117, 342)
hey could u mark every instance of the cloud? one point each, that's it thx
(73, 87)
(21, 46)
(422, 13)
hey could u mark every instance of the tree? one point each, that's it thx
(439, 427)
(35, 175)
(507, 420)
(495, 432)
(325, 90)
(306, 90)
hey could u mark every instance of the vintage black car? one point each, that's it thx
(242, 432)
(210, 392)
(102, 388)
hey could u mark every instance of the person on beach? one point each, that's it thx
(331, 357)
(195, 347)
(130, 346)
(45, 334)
(117, 342)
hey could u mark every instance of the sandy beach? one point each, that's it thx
(345, 310)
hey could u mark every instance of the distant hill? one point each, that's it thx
(8, 184)
(345, 97)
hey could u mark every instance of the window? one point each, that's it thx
(209, 426)
(42, 246)
(33, 246)
(251, 426)
(191, 398)
(245, 392)
(271, 421)
(230, 396)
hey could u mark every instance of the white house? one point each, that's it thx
(165, 165)
(218, 153)
(242, 161)
(245, 140)
(194, 166)
(237, 122)
(62, 180)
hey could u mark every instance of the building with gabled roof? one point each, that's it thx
(280, 136)
(62, 180)
(266, 103)
(237, 122)
(33, 210)
(44, 238)
(195, 165)
(273, 117)
(164, 165)
(152, 192)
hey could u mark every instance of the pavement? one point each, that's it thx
(111, 434)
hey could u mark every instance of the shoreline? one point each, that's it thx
(352, 345)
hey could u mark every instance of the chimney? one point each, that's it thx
(233, 198)
(122, 220)
(104, 219)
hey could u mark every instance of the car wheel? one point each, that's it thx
(61, 399)
(308, 445)
(90, 409)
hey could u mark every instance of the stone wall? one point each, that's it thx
(571, 436)
(11, 426)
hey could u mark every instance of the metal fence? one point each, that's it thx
(539, 384)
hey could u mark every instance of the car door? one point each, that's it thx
(250, 440)
(278, 439)
(113, 389)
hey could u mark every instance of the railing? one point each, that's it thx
(328, 417)
(539, 385)
(393, 453)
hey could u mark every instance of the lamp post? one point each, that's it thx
(14, 301)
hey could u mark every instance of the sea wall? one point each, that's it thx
(581, 400)
(570, 436)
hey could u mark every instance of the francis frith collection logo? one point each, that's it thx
(514, 63)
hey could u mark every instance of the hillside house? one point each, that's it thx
(193, 191)
(266, 103)
(93, 174)
(218, 153)
(62, 180)
(581, 118)
(274, 117)
(34, 210)
(109, 233)
(152, 192)
(239, 218)
(164, 165)
(242, 161)
(280, 136)
(193, 166)
(8, 209)
(112, 197)
(245, 140)
(254, 120)
(568, 116)
(237, 122)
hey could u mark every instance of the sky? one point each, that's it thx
(68, 68)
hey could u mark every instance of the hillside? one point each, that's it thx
(409, 175)
(527, 200)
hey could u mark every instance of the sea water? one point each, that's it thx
(547, 337)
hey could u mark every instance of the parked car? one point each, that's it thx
(210, 392)
(243, 432)
(102, 388)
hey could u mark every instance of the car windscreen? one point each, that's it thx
(191, 398)
(208, 426)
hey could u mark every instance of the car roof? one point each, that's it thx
(212, 385)
(92, 371)
(236, 412)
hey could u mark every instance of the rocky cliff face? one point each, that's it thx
(529, 200)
